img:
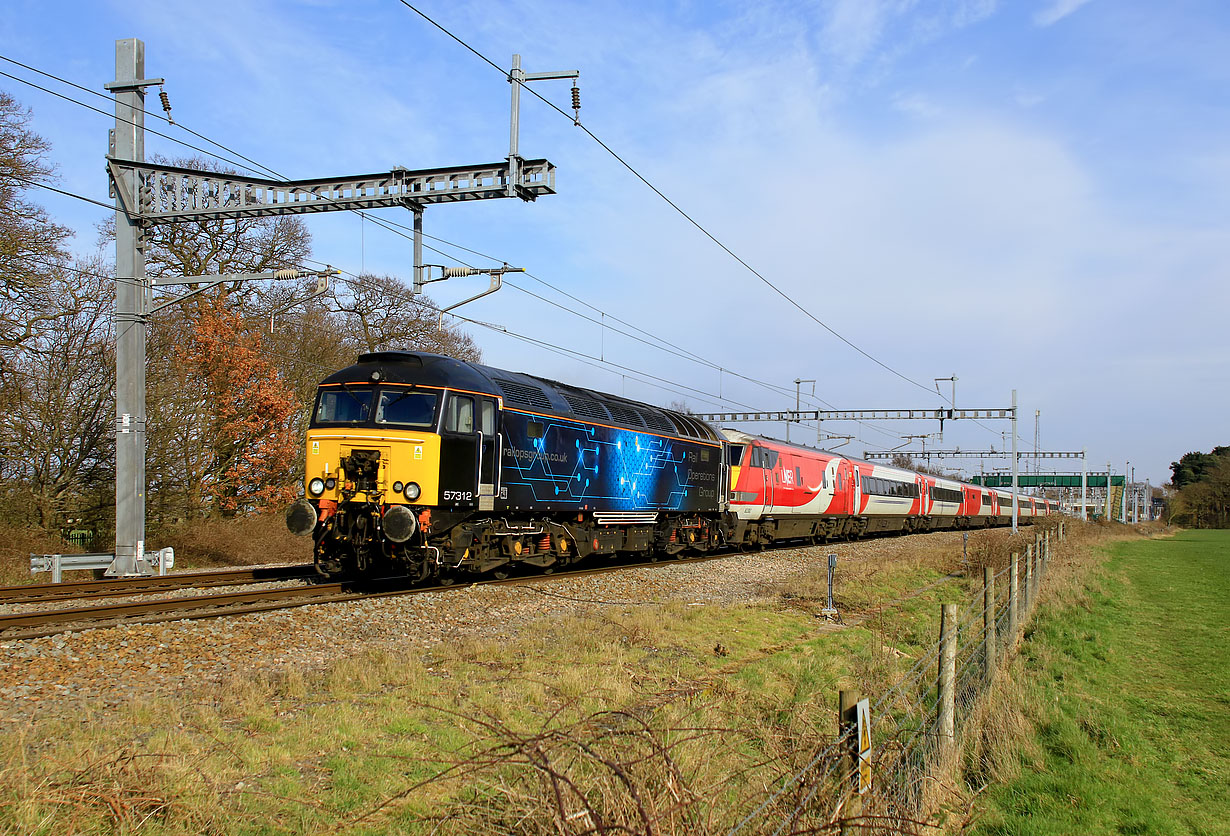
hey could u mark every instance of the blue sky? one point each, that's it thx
(1030, 195)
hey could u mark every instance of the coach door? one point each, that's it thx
(769, 459)
(490, 439)
(459, 452)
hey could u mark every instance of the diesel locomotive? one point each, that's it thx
(423, 465)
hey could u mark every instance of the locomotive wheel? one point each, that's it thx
(500, 574)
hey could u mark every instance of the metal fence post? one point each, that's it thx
(847, 729)
(829, 609)
(1014, 598)
(988, 621)
(947, 675)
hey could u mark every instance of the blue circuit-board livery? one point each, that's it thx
(562, 464)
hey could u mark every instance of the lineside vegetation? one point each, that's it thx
(630, 716)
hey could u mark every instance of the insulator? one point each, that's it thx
(458, 272)
(166, 104)
(286, 274)
(576, 97)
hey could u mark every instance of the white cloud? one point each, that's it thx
(1057, 10)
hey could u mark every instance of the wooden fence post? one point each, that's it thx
(1014, 597)
(1028, 592)
(948, 676)
(989, 644)
(847, 729)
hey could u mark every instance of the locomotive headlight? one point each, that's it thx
(412, 491)
(316, 487)
(397, 486)
(330, 483)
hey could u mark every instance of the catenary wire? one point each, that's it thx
(686, 354)
(150, 113)
(676, 207)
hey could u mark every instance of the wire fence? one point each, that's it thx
(916, 722)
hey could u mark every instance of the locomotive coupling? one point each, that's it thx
(301, 517)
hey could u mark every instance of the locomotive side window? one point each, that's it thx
(460, 417)
(534, 429)
(406, 408)
(343, 406)
(486, 417)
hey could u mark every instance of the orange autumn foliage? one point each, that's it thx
(253, 440)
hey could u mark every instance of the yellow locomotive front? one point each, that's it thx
(371, 477)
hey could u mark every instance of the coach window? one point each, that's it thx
(460, 417)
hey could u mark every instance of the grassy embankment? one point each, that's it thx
(1125, 697)
(635, 712)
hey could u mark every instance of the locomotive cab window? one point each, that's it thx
(343, 406)
(406, 408)
(486, 416)
(734, 454)
(460, 415)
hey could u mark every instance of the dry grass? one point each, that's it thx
(656, 719)
(16, 546)
(240, 541)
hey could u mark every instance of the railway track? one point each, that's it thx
(36, 623)
(84, 590)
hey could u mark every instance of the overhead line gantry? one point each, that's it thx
(150, 194)
(942, 414)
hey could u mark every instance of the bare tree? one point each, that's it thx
(379, 312)
(31, 246)
(56, 427)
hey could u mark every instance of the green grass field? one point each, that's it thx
(1129, 694)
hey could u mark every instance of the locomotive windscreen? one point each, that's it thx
(343, 406)
(406, 408)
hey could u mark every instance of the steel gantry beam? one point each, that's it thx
(968, 454)
(789, 416)
(798, 415)
(172, 194)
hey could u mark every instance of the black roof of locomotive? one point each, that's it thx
(521, 391)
